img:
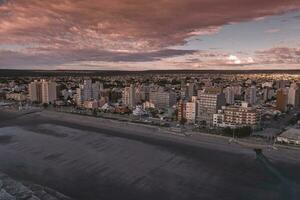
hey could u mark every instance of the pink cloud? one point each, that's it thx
(272, 30)
(279, 55)
(125, 24)
(62, 27)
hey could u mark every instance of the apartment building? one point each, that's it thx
(237, 116)
(209, 102)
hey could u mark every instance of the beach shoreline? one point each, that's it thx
(76, 155)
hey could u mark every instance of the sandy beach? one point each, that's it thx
(88, 158)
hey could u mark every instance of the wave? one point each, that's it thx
(11, 189)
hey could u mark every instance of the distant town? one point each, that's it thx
(262, 105)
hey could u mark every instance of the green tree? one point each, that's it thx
(228, 131)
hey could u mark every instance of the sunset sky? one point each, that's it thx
(145, 35)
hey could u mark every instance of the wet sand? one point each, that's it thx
(95, 160)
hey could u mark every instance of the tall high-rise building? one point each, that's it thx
(237, 89)
(35, 91)
(250, 95)
(79, 96)
(101, 85)
(281, 84)
(129, 98)
(294, 95)
(191, 110)
(87, 89)
(282, 99)
(209, 102)
(140, 94)
(145, 90)
(49, 92)
(267, 93)
(229, 95)
(162, 99)
(190, 90)
(181, 114)
(96, 88)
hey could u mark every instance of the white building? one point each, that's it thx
(267, 84)
(139, 111)
(291, 136)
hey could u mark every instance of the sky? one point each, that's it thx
(149, 35)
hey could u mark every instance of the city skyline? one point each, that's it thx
(143, 35)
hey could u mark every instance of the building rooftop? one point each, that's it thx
(291, 133)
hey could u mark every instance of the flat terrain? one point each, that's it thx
(93, 159)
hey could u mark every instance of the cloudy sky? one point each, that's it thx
(144, 34)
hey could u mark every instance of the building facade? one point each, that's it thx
(250, 95)
(191, 110)
(229, 95)
(237, 116)
(282, 100)
(35, 91)
(49, 92)
(209, 102)
(162, 99)
(181, 114)
(294, 95)
(129, 96)
(16, 96)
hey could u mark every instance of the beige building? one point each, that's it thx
(148, 104)
(16, 96)
(191, 110)
(128, 96)
(92, 104)
(49, 93)
(79, 96)
(35, 91)
(237, 116)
